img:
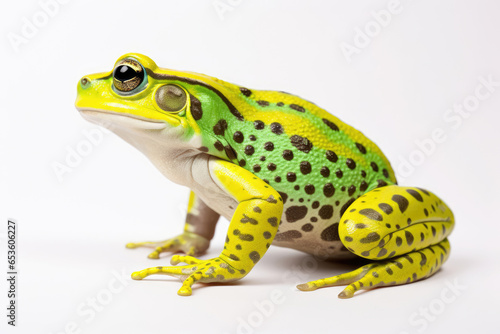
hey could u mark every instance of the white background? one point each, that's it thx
(396, 89)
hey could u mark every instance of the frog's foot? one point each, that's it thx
(203, 271)
(404, 269)
(189, 243)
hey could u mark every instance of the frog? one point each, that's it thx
(279, 168)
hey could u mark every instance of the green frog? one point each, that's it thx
(282, 170)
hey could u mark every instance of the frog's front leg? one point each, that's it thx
(251, 230)
(198, 231)
(403, 229)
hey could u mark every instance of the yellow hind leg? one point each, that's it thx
(403, 228)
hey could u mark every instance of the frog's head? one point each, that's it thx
(139, 100)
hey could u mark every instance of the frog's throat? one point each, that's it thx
(154, 138)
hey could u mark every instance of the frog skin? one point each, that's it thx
(282, 170)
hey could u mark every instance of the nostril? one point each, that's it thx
(84, 82)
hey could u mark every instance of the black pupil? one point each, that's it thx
(124, 73)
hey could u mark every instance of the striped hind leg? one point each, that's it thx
(404, 229)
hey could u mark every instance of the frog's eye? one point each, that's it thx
(128, 75)
(171, 98)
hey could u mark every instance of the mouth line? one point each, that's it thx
(114, 120)
(135, 117)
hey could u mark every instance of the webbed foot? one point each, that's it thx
(203, 271)
(404, 269)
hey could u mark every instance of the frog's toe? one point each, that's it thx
(367, 277)
(363, 278)
(149, 244)
(166, 247)
(307, 286)
(185, 291)
(347, 293)
(342, 279)
(186, 288)
(138, 275)
(155, 255)
(159, 246)
(173, 271)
